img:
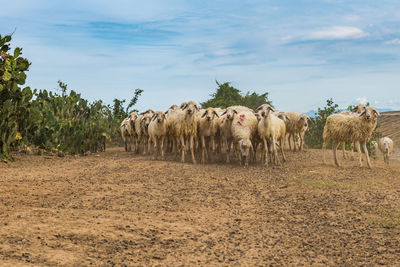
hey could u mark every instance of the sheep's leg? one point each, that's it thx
(352, 151)
(192, 149)
(290, 144)
(343, 149)
(126, 146)
(155, 145)
(275, 151)
(182, 141)
(227, 151)
(366, 154)
(359, 153)
(265, 151)
(294, 142)
(301, 141)
(334, 148)
(282, 143)
(203, 148)
(213, 148)
(149, 145)
(162, 147)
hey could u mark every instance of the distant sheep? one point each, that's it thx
(182, 126)
(244, 129)
(355, 129)
(385, 145)
(272, 129)
(157, 133)
(126, 133)
(296, 126)
(207, 129)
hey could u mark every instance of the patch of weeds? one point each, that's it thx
(385, 218)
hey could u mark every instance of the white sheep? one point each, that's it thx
(272, 129)
(141, 126)
(355, 112)
(126, 133)
(132, 118)
(207, 129)
(244, 129)
(385, 145)
(296, 126)
(355, 129)
(157, 131)
(182, 126)
(225, 128)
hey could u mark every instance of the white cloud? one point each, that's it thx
(393, 42)
(362, 100)
(351, 17)
(337, 33)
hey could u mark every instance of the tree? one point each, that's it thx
(14, 100)
(227, 95)
(313, 137)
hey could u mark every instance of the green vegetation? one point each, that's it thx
(313, 136)
(227, 95)
(49, 121)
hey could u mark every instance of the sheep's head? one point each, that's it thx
(146, 119)
(159, 116)
(369, 113)
(230, 113)
(190, 107)
(283, 116)
(303, 121)
(264, 107)
(359, 108)
(173, 107)
(209, 114)
(264, 112)
(246, 147)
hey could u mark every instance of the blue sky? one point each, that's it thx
(302, 52)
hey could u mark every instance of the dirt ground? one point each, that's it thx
(115, 208)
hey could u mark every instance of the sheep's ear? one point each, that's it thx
(142, 113)
(287, 117)
(234, 111)
(260, 107)
(204, 114)
(271, 108)
(216, 114)
(376, 112)
(166, 112)
(308, 118)
(223, 113)
(197, 107)
(362, 113)
(184, 107)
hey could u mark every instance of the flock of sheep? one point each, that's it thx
(237, 130)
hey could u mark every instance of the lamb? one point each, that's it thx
(207, 128)
(243, 129)
(182, 126)
(355, 129)
(225, 128)
(271, 129)
(385, 145)
(296, 126)
(126, 133)
(157, 131)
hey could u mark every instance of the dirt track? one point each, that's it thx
(115, 208)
